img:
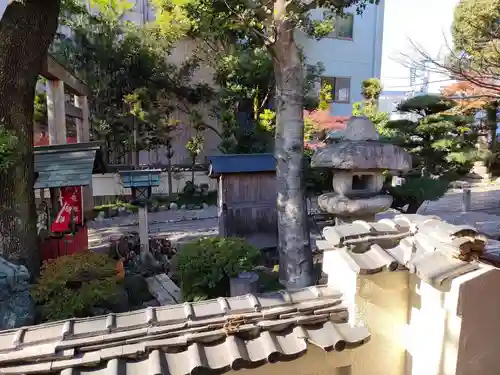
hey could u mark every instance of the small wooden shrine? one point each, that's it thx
(65, 170)
(247, 197)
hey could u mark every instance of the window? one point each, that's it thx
(341, 88)
(343, 27)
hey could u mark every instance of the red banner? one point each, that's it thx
(71, 206)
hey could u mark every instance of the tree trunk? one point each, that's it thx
(492, 124)
(26, 31)
(293, 234)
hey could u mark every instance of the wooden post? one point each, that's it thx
(83, 125)
(83, 135)
(466, 200)
(56, 112)
(144, 230)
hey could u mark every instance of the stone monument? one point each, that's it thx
(359, 160)
(17, 308)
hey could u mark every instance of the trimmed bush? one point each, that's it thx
(71, 285)
(203, 268)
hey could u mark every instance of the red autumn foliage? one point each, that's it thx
(323, 121)
(478, 97)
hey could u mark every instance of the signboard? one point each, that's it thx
(71, 206)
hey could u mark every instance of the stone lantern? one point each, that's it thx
(359, 160)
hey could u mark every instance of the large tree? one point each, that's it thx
(274, 23)
(441, 142)
(26, 31)
(128, 70)
(371, 90)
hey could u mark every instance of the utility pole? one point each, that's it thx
(413, 77)
(426, 75)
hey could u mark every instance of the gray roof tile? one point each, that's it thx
(220, 335)
(434, 250)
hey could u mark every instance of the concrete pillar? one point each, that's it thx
(56, 112)
(83, 125)
(466, 199)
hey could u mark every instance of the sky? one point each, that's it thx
(3, 6)
(414, 20)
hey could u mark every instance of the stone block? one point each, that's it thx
(17, 308)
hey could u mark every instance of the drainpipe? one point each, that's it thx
(377, 40)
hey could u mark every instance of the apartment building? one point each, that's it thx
(350, 54)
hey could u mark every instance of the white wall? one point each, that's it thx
(109, 184)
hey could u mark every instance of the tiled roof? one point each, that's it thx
(223, 334)
(425, 245)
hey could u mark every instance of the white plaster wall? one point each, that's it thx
(418, 329)
(380, 302)
(110, 183)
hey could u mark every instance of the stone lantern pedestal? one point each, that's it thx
(360, 161)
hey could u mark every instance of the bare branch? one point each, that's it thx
(458, 67)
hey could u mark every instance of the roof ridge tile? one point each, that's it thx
(426, 245)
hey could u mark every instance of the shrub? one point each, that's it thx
(71, 285)
(204, 267)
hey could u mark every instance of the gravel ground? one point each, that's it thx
(181, 225)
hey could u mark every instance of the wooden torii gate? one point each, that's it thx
(62, 166)
(61, 82)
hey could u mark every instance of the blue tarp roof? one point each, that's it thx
(241, 163)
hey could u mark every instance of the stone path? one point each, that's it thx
(178, 226)
(484, 198)
(184, 225)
